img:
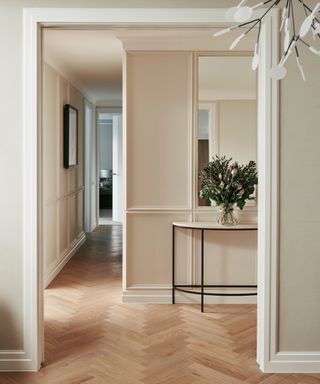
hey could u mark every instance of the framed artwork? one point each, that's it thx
(70, 136)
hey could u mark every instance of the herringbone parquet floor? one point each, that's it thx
(90, 337)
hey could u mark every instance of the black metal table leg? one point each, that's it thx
(202, 286)
(173, 298)
(202, 269)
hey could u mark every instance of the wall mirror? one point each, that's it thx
(226, 110)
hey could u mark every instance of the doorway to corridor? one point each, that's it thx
(110, 154)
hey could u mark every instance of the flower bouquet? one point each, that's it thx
(227, 185)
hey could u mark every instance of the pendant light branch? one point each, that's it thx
(242, 14)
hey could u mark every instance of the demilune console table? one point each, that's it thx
(207, 226)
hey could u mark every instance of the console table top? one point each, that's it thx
(214, 226)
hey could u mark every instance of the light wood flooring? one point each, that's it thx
(90, 337)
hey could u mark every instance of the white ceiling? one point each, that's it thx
(92, 59)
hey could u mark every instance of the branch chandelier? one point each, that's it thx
(293, 37)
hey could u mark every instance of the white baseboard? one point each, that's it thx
(293, 362)
(162, 294)
(12, 365)
(15, 361)
(55, 269)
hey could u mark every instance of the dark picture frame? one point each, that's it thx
(70, 136)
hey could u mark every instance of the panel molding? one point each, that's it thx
(147, 220)
(158, 210)
(65, 196)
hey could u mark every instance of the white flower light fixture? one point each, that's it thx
(242, 14)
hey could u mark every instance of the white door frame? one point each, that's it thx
(31, 356)
(90, 214)
(117, 168)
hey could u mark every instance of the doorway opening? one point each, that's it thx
(109, 129)
(38, 17)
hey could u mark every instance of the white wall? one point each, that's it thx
(160, 167)
(63, 189)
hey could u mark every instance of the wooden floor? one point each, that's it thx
(90, 337)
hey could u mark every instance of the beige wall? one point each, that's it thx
(299, 209)
(158, 126)
(158, 157)
(237, 129)
(299, 285)
(63, 189)
(160, 168)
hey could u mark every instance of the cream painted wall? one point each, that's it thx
(63, 189)
(160, 164)
(237, 129)
(299, 302)
(158, 126)
(158, 158)
(299, 287)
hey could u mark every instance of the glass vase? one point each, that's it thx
(227, 215)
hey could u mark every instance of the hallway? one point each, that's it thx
(92, 338)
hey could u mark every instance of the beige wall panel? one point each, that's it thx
(230, 257)
(80, 207)
(238, 129)
(50, 134)
(72, 179)
(63, 217)
(50, 235)
(183, 259)
(63, 99)
(158, 110)
(63, 225)
(149, 248)
(299, 321)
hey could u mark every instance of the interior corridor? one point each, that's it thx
(90, 337)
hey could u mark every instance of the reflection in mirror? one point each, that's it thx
(227, 110)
